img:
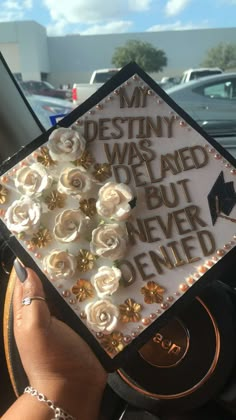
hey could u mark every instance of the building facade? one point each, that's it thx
(24, 46)
(31, 54)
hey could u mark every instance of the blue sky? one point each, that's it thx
(86, 17)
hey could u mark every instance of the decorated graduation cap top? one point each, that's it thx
(119, 207)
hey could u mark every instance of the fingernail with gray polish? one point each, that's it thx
(20, 270)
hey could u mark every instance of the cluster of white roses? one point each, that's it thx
(102, 315)
(24, 215)
(109, 238)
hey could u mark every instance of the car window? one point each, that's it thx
(47, 85)
(220, 90)
(203, 73)
(103, 77)
(40, 86)
(184, 77)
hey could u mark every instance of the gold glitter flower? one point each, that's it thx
(55, 200)
(83, 290)
(44, 157)
(86, 160)
(102, 171)
(130, 311)
(113, 343)
(88, 207)
(3, 194)
(41, 238)
(21, 236)
(152, 292)
(85, 260)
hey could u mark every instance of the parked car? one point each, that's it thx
(195, 74)
(211, 98)
(102, 75)
(45, 89)
(211, 101)
(224, 132)
(172, 80)
(166, 85)
(45, 107)
(82, 91)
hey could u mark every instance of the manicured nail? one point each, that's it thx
(20, 270)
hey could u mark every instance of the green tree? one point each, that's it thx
(144, 54)
(223, 56)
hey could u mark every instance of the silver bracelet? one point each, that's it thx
(58, 412)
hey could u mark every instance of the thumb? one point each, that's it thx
(35, 314)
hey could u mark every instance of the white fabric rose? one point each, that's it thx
(70, 225)
(33, 179)
(65, 144)
(74, 181)
(109, 241)
(106, 280)
(102, 316)
(23, 216)
(60, 264)
(113, 201)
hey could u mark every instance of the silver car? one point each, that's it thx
(211, 98)
(211, 101)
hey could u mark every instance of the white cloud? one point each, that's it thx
(60, 28)
(93, 11)
(9, 16)
(28, 4)
(109, 28)
(57, 28)
(14, 10)
(139, 5)
(11, 5)
(17, 5)
(174, 7)
(177, 26)
(97, 17)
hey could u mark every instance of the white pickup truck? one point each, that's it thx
(194, 74)
(82, 91)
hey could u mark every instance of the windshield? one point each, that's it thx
(104, 77)
(49, 85)
(69, 58)
(125, 205)
(203, 73)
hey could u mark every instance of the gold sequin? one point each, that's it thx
(21, 236)
(86, 160)
(88, 207)
(113, 343)
(102, 171)
(3, 194)
(41, 238)
(83, 290)
(85, 260)
(44, 157)
(130, 311)
(55, 200)
(152, 292)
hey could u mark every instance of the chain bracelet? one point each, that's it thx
(59, 413)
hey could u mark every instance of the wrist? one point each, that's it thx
(74, 398)
(58, 411)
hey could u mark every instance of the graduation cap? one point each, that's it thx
(222, 198)
(131, 143)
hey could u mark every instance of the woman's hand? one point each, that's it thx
(57, 361)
